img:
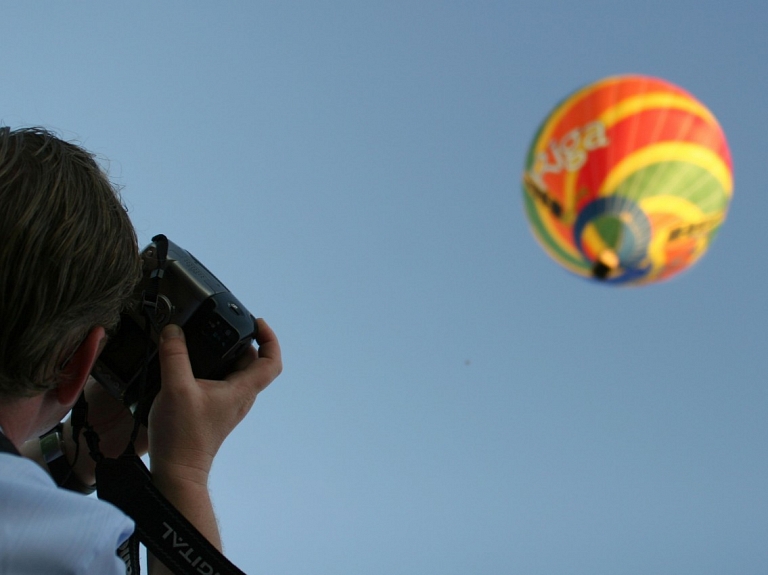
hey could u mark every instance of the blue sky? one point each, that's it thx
(452, 400)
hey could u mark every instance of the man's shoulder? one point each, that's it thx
(47, 527)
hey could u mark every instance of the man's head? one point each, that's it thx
(69, 257)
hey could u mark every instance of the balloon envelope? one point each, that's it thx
(628, 180)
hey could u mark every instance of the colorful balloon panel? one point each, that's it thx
(628, 180)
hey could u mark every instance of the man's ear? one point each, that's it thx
(75, 373)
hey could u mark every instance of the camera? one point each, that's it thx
(175, 288)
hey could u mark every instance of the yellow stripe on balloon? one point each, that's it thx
(569, 197)
(680, 207)
(655, 100)
(666, 152)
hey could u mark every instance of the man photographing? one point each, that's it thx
(69, 262)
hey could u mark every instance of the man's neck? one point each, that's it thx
(6, 446)
(22, 419)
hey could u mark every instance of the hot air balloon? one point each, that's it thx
(628, 180)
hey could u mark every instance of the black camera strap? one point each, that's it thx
(160, 527)
(126, 483)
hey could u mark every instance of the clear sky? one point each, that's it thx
(453, 402)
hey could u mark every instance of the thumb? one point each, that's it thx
(175, 368)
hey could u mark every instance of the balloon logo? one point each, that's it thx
(628, 180)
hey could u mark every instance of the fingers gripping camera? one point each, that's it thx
(175, 288)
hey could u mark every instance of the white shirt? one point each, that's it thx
(45, 529)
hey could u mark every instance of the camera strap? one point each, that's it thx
(160, 527)
(127, 484)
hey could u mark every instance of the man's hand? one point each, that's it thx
(190, 419)
(112, 421)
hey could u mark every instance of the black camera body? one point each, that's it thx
(175, 288)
